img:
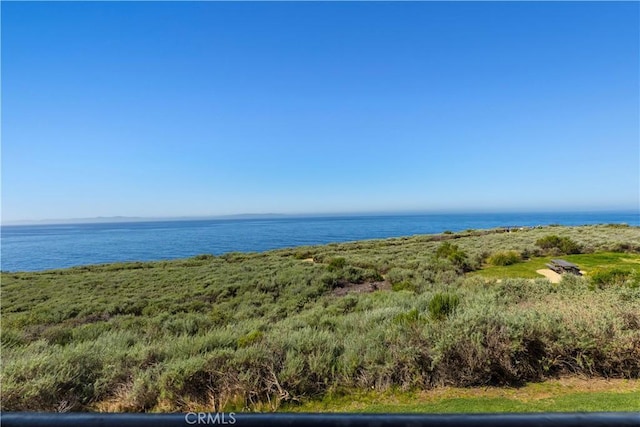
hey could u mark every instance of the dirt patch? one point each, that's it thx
(550, 274)
(599, 384)
(360, 288)
(536, 391)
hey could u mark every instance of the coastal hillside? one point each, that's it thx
(272, 330)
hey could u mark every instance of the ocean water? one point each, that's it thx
(44, 247)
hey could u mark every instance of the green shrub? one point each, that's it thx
(397, 275)
(300, 254)
(548, 242)
(505, 258)
(624, 247)
(58, 335)
(529, 253)
(568, 246)
(143, 394)
(411, 316)
(446, 249)
(337, 264)
(11, 338)
(249, 339)
(359, 275)
(404, 286)
(204, 257)
(513, 291)
(442, 305)
(348, 304)
(188, 324)
(454, 254)
(559, 245)
(330, 280)
(610, 277)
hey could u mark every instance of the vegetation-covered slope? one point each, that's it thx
(255, 330)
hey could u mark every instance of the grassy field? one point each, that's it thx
(287, 328)
(587, 263)
(563, 395)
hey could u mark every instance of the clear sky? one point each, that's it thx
(171, 109)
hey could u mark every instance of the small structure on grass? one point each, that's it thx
(561, 266)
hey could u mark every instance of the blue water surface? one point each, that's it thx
(43, 247)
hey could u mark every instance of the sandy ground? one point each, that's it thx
(550, 274)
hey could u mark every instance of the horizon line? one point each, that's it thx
(122, 218)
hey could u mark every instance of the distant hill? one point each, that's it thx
(115, 219)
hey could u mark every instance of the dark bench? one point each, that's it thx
(561, 266)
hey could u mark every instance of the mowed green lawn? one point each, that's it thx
(587, 263)
(579, 395)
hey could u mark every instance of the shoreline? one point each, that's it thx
(445, 235)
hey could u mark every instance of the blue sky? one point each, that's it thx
(172, 109)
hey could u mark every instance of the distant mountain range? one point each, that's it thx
(115, 219)
(118, 219)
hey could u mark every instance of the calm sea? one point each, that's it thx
(43, 247)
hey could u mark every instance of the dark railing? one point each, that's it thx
(598, 419)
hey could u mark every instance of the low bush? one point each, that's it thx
(204, 257)
(610, 277)
(397, 275)
(359, 275)
(404, 286)
(302, 255)
(454, 254)
(446, 250)
(504, 258)
(337, 264)
(250, 338)
(558, 245)
(442, 305)
(330, 280)
(624, 247)
(411, 316)
(513, 291)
